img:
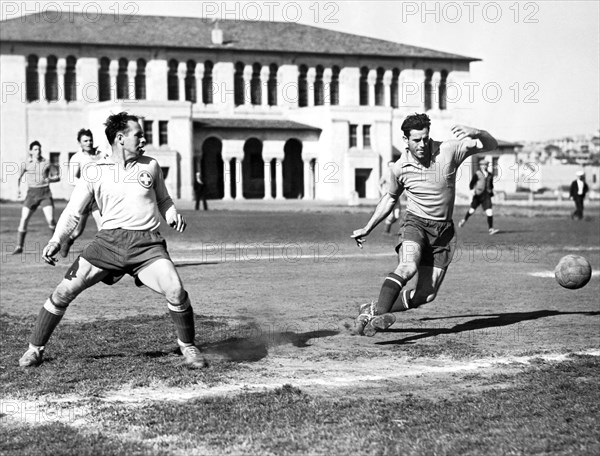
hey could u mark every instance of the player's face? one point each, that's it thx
(86, 143)
(418, 143)
(36, 152)
(133, 140)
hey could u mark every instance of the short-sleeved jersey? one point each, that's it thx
(431, 190)
(80, 160)
(131, 198)
(36, 173)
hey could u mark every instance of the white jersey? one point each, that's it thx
(79, 161)
(131, 198)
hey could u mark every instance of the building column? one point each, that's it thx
(267, 178)
(113, 71)
(181, 72)
(247, 85)
(307, 180)
(226, 178)
(311, 75)
(387, 91)
(61, 69)
(131, 72)
(327, 86)
(371, 79)
(199, 75)
(279, 179)
(264, 85)
(42, 65)
(239, 179)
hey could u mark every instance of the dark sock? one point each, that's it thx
(490, 221)
(467, 215)
(390, 290)
(21, 238)
(184, 321)
(48, 318)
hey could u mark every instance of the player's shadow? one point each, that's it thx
(490, 321)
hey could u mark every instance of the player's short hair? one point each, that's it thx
(415, 122)
(84, 132)
(118, 123)
(33, 144)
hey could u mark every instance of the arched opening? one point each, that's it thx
(302, 86)
(207, 83)
(211, 168)
(293, 169)
(255, 86)
(190, 81)
(172, 81)
(363, 87)
(319, 92)
(428, 88)
(272, 85)
(394, 88)
(70, 79)
(140, 80)
(122, 80)
(379, 91)
(238, 84)
(253, 169)
(442, 91)
(334, 89)
(51, 79)
(32, 78)
(104, 80)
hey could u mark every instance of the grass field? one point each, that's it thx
(504, 361)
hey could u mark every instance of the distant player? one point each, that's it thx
(131, 194)
(388, 175)
(482, 185)
(427, 173)
(87, 155)
(38, 176)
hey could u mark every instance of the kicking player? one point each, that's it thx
(427, 173)
(482, 185)
(37, 175)
(131, 194)
(78, 164)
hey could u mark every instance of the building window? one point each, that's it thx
(379, 95)
(104, 80)
(122, 80)
(319, 92)
(366, 136)
(32, 79)
(353, 134)
(442, 90)
(428, 88)
(140, 80)
(394, 88)
(70, 79)
(163, 136)
(172, 81)
(207, 83)
(148, 131)
(238, 84)
(272, 85)
(302, 87)
(334, 89)
(51, 79)
(255, 88)
(190, 81)
(55, 158)
(363, 87)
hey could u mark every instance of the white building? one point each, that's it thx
(261, 109)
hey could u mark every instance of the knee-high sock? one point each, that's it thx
(183, 317)
(490, 221)
(390, 290)
(47, 320)
(21, 238)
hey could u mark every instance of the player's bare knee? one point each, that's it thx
(175, 295)
(406, 270)
(64, 294)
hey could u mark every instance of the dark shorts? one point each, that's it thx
(125, 252)
(38, 197)
(485, 200)
(437, 239)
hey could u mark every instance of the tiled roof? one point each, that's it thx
(254, 124)
(195, 33)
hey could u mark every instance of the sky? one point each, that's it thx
(539, 74)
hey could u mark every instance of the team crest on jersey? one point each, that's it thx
(145, 179)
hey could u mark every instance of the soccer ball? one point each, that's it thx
(573, 271)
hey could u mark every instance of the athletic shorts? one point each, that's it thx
(38, 197)
(485, 200)
(437, 239)
(125, 252)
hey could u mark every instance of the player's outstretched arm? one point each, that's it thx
(384, 208)
(488, 142)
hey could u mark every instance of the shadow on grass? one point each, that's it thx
(491, 321)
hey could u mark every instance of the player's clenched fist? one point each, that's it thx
(359, 236)
(49, 253)
(178, 223)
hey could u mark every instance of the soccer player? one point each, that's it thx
(482, 185)
(394, 216)
(78, 164)
(427, 173)
(38, 178)
(131, 194)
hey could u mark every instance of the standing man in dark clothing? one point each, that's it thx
(579, 189)
(482, 184)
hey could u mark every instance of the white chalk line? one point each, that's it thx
(550, 274)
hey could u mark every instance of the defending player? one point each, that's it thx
(482, 185)
(37, 172)
(86, 155)
(427, 173)
(131, 194)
